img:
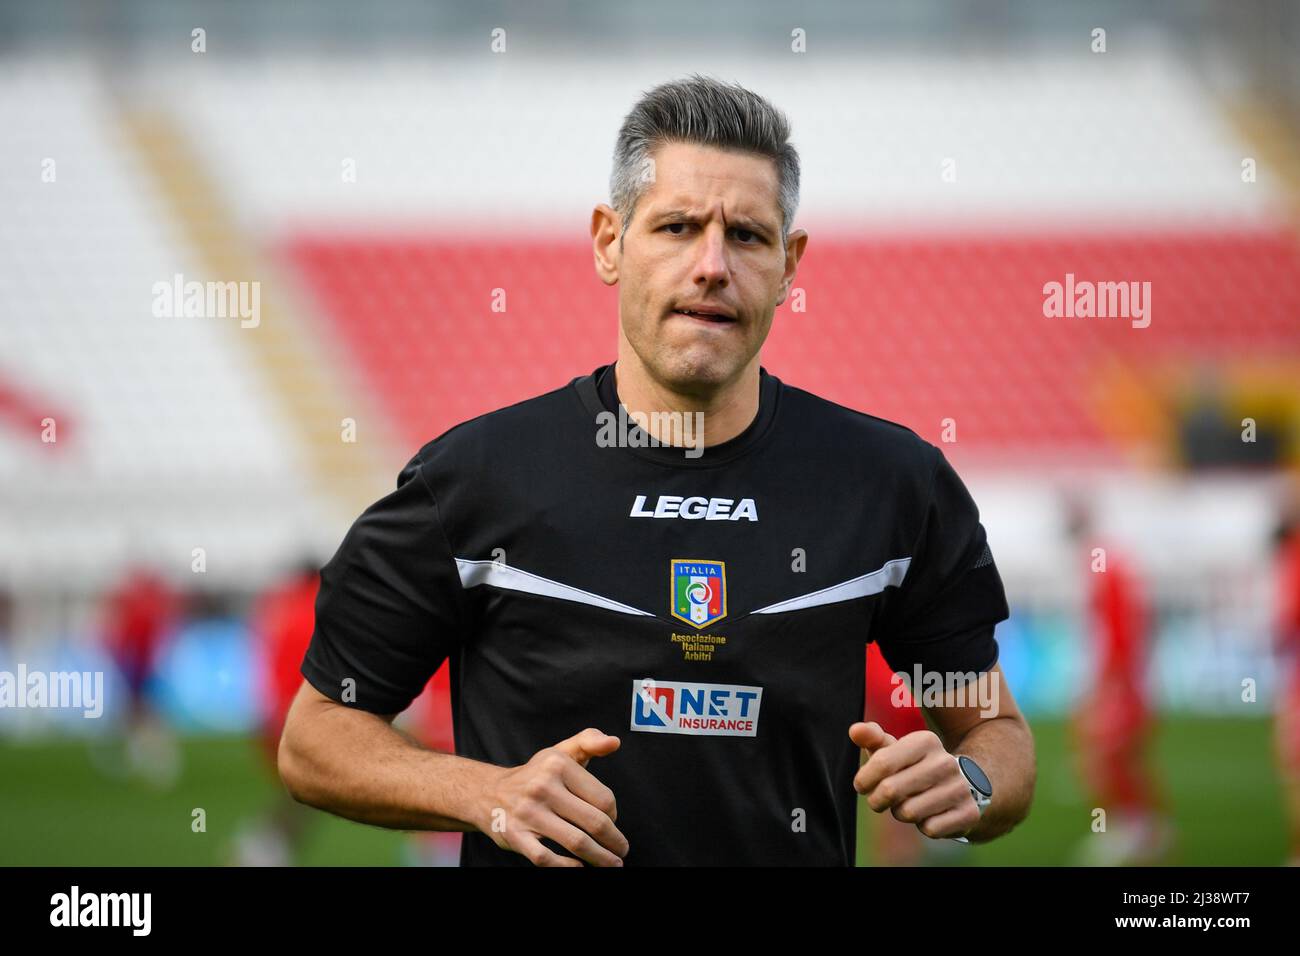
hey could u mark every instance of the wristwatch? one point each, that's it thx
(980, 788)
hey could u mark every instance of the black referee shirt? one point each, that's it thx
(711, 611)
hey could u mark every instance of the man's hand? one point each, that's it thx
(915, 778)
(555, 796)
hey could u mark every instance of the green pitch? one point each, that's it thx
(58, 810)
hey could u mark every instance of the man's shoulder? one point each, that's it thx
(852, 432)
(517, 426)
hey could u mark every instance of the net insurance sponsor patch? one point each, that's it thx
(715, 710)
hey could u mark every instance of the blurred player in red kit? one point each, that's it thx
(281, 626)
(1113, 723)
(139, 615)
(1287, 736)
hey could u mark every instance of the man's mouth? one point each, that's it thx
(707, 314)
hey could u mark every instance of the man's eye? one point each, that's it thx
(746, 236)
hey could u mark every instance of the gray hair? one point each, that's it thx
(707, 112)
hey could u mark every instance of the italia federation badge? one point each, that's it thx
(699, 591)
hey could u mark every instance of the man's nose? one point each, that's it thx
(712, 268)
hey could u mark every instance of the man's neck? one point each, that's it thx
(723, 414)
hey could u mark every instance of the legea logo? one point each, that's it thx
(694, 509)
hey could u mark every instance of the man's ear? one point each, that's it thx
(794, 250)
(605, 226)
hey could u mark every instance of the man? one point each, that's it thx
(281, 623)
(656, 638)
(1113, 721)
(141, 614)
(1286, 736)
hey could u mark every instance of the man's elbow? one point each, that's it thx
(291, 761)
(287, 763)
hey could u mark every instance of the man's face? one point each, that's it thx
(706, 238)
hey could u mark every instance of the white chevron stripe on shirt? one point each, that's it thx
(890, 573)
(499, 575)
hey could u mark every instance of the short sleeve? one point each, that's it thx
(390, 606)
(942, 615)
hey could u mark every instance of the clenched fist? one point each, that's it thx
(916, 779)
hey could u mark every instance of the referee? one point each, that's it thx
(655, 585)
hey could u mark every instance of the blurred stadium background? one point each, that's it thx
(380, 170)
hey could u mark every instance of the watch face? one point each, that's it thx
(975, 775)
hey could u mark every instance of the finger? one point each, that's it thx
(588, 743)
(527, 845)
(576, 842)
(883, 792)
(591, 821)
(870, 735)
(895, 759)
(583, 784)
(889, 791)
(951, 823)
(931, 801)
(901, 773)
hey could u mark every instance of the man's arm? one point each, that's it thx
(999, 739)
(940, 623)
(356, 765)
